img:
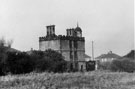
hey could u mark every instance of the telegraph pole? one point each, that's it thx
(92, 50)
(93, 55)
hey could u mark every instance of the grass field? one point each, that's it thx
(87, 80)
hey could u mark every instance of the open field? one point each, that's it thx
(87, 80)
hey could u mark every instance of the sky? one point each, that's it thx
(109, 23)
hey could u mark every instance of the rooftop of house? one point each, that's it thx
(131, 54)
(9, 49)
(87, 56)
(108, 55)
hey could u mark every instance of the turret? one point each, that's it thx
(78, 31)
(70, 32)
(50, 30)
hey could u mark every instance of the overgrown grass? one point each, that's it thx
(87, 80)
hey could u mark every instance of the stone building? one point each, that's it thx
(71, 46)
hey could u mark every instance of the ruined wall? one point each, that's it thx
(61, 46)
(50, 44)
(74, 51)
(80, 56)
(81, 45)
(71, 48)
(81, 51)
(64, 47)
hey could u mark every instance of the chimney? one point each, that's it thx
(50, 30)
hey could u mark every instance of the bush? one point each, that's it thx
(121, 65)
(52, 61)
(3, 58)
(19, 63)
(124, 64)
(104, 65)
(48, 60)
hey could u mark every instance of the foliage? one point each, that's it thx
(2, 57)
(121, 64)
(39, 61)
(124, 64)
(104, 65)
(131, 54)
(4, 46)
(50, 61)
(19, 63)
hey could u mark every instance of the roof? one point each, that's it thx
(86, 56)
(78, 29)
(11, 49)
(131, 54)
(108, 55)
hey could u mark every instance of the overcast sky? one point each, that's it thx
(109, 23)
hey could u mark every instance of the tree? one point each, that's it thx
(48, 60)
(3, 56)
(104, 65)
(2, 42)
(56, 61)
(19, 63)
(123, 64)
(131, 54)
(9, 43)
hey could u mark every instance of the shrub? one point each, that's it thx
(124, 64)
(104, 65)
(48, 60)
(3, 58)
(19, 63)
(56, 61)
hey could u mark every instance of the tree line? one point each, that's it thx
(38, 61)
(16, 62)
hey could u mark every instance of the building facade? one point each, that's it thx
(109, 57)
(71, 46)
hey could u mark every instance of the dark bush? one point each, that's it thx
(3, 58)
(48, 60)
(131, 54)
(124, 64)
(52, 61)
(19, 63)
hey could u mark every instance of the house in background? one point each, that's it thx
(9, 49)
(107, 57)
(130, 55)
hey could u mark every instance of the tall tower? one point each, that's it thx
(78, 31)
(50, 30)
(72, 46)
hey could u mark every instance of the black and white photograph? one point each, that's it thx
(67, 44)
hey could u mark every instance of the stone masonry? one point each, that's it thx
(71, 46)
